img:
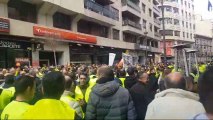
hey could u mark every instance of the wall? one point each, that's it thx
(203, 27)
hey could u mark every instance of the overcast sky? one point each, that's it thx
(201, 7)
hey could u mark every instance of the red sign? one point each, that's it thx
(43, 31)
(4, 25)
(168, 48)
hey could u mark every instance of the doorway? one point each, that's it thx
(47, 58)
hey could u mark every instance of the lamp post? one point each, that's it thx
(164, 39)
(145, 33)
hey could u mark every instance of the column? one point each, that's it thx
(3, 8)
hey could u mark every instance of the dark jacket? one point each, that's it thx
(129, 82)
(141, 96)
(110, 101)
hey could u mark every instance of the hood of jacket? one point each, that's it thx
(178, 93)
(106, 89)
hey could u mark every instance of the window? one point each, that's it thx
(150, 26)
(189, 5)
(149, 0)
(176, 22)
(144, 8)
(150, 13)
(177, 33)
(62, 21)
(190, 26)
(116, 34)
(189, 16)
(144, 24)
(168, 32)
(116, 13)
(194, 26)
(191, 36)
(186, 14)
(181, 2)
(187, 35)
(20, 10)
(185, 4)
(168, 8)
(193, 7)
(183, 23)
(176, 10)
(183, 34)
(186, 24)
(182, 12)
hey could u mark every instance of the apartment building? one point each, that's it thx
(79, 31)
(203, 38)
(179, 23)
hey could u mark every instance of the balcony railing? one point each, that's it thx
(131, 23)
(157, 34)
(105, 11)
(157, 21)
(131, 4)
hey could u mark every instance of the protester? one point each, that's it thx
(131, 79)
(141, 95)
(51, 107)
(25, 88)
(67, 97)
(108, 100)
(205, 90)
(174, 102)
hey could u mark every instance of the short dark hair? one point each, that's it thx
(53, 85)
(181, 84)
(9, 79)
(22, 83)
(68, 82)
(131, 71)
(122, 73)
(205, 89)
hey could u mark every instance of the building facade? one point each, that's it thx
(179, 23)
(78, 31)
(203, 39)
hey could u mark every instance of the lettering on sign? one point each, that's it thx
(4, 25)
(22, 60)
(7, 44)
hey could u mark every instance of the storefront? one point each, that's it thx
(14, 50)
(92, 54)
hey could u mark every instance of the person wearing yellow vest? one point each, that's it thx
(194, 75)
(92, 77)
(25, 89)
(68, 97)
(202, 68)
(82, 91)
(50, 107)
(122, 76)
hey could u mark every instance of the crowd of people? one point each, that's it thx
(104, 92)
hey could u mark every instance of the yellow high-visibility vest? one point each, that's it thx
(195, 77)
(202, 68)
(49, 109)
(79, 95)
(14, 110)
(5, 97)
(122, 80)
(92, 81)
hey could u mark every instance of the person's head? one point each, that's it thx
(131, 71)
(105, 72)
(12, 71)
(9, 80)
(53, 85)
(122, 73)
(143, 77)
(175, 80)
(205, 90)
(68, 83)
(25, 87)
(83, 79)
(92, 71)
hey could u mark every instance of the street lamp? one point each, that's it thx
(164, 39)
(145, 33)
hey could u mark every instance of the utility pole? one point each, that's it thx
(164, 39)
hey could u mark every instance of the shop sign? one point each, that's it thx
(8, 44)
(4, 25)
(22, 60)
(61, 34)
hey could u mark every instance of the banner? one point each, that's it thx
(111, 58)
(127, 59)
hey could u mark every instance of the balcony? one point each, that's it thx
(156, 9)
(157, 21)
(131, 4)
(105, 11)
(132, 24)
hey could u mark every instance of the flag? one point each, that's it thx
(209, 6)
